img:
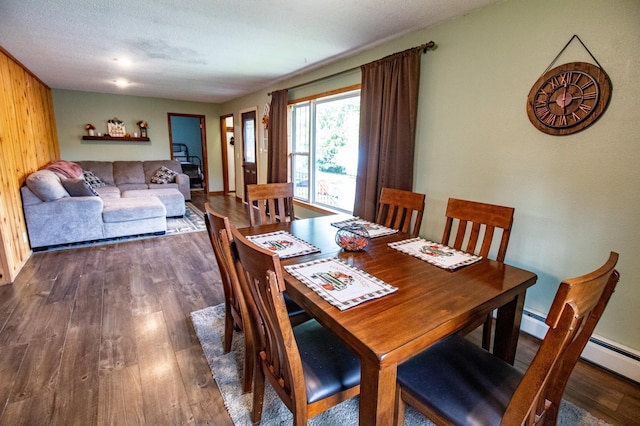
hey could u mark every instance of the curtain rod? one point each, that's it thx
(424, 47)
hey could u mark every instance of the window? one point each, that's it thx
(324, 157)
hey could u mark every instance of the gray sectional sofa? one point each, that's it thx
(122, 200)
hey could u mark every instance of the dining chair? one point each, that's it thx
(476, 228)
(235, 311)
(236, 315)
(456, 382)
(399, 209)
(270, 203)
(309, 367)
(215, 224)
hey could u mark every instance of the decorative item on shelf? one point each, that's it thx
(143, 128)
(352, 238)
(265, 116)
(90, 129)
(116, 128)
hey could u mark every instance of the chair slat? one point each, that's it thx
(402, 210)
(270, 203)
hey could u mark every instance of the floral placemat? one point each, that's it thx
(374, 230)
(283, 243)
(434, 253)
(338, 283)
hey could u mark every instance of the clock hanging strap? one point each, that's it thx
(567, 45)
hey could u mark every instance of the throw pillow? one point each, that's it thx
(164, 175)
(46, 185)
(78, 188)
(93, 180)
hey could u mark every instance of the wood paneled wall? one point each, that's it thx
(28, 141)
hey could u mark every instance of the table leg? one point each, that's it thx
(508, 329)
(377, 393)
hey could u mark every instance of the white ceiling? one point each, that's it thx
(201, 50)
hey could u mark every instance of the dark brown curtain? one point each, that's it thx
(277, 133)
(388, 108)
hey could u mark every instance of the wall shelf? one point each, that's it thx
(110, 138)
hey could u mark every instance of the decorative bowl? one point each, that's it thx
(352, 238)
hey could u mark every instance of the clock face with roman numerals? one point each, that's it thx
(568, 98)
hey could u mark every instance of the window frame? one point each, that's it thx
(311, 153)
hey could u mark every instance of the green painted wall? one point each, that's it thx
(576, 197)
(74, 109)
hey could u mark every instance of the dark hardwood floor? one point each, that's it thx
(102, 335)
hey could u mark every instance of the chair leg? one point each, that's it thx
(258, 394)
(486, 332)
(228, 331)
(300, 420)
(249, 365)
(400, 408)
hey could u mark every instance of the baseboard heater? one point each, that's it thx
(606, 354)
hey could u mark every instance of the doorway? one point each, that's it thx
(188, 144)
(249, 149)
(228, 153)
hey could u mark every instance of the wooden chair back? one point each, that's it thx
(218, 227)
(402, 210)
(270, 203)
(277, 353)
(473, 216)
(576, 309)
(454, 381)
(275, 343)
(215, 224)
(473, 221)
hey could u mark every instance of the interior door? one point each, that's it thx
(188, 145)
(249, 149)
(228, 153)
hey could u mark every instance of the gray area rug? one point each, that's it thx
(227, 369)
(192, 221)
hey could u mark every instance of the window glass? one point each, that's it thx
(325, 150)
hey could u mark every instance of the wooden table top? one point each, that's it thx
(430, 304)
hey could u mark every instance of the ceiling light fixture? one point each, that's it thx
(121, 83)
(123, 61)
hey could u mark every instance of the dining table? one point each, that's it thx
(430, 303)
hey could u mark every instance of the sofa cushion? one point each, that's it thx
(128, 209)
(92, 180)
(172, 198)
(102, 169)
(46, 185)
(108, 191)
(125, 172)
(164, 175)
(151, 167)
(132, 186)
(78, 188)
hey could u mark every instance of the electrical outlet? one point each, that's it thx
(24, 236)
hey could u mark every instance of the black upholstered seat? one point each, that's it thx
(476, 374)
(329, 366)
(455, 382)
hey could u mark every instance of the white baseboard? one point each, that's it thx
(600, 351)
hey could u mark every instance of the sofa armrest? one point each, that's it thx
(66, 220)
(184, 185)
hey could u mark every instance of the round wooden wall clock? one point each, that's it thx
(568, 98)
